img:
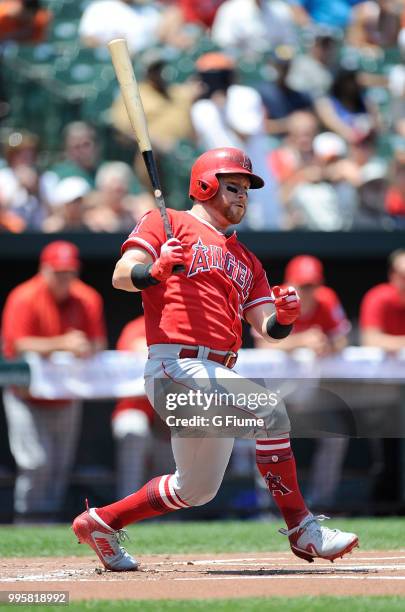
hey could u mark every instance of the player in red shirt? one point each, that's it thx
(193, 330)
(322, 325)
(23, 20)
(394, 201)
(53, 311)
(382, 311)
(132, 418)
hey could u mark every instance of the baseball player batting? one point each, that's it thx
(193, 330)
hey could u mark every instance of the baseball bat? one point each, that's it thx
(133, 103)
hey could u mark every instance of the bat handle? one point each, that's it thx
(157, 190)
(179, 268)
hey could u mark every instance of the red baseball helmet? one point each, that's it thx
(304, 270)
(226, 160)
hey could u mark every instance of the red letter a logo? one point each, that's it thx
(200, 259)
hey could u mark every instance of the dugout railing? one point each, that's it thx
(365, 383)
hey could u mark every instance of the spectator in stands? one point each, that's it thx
(228, 114)
(53, 311)
(135, 20)
(295, 164)
(351, 170)
(322, 327)
(111, 207)
(23, 21)
(132, 418)
(19, 179)
(184, 21)
(9, 221)
(361, 152)
(333, 13)
(374, 27)
(253, 26)
(279, 99)
(294, 157)
(345, 110)
(4, 105)
(80, 158)
(68, 207)
(201, 13)
(312, 71)
(167, 108)
(382, 310)
(372, 189)
(396, 91)
(400, 131)
(331, 151)
(395, 195)
(382, 325)
(401, 35)
(391, 19)
(396, 86)
(319, 197)
(138, 447)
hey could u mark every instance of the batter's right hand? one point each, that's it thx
(171, 254)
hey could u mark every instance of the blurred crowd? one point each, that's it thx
(313, 91)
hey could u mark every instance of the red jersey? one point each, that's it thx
(31, 310)
(205, 304)
(16, 27)
(283, 162)
(383, 308)
(134, 330)
(328, 315)
(202, 12)
(394, 201)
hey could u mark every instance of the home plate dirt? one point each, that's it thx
(211, 576)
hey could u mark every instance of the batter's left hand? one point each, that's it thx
(288, 307)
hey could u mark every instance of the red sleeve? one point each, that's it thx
(188, 10)
(282, 164)
(394, 202)
(41, 22)
(372, 311)
(260, 291)
(96, 328)
(199, 12)
(133, 329)
(18, 321)
(148, 234)
(336, 320)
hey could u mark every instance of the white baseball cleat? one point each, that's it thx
(92, 530)
(310, 540)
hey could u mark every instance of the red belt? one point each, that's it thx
(228, 360)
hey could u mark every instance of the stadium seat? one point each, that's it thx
(65, 9)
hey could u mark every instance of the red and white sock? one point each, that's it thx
(158, 496)
(276, 463)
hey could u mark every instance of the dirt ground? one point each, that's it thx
(211, 576)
